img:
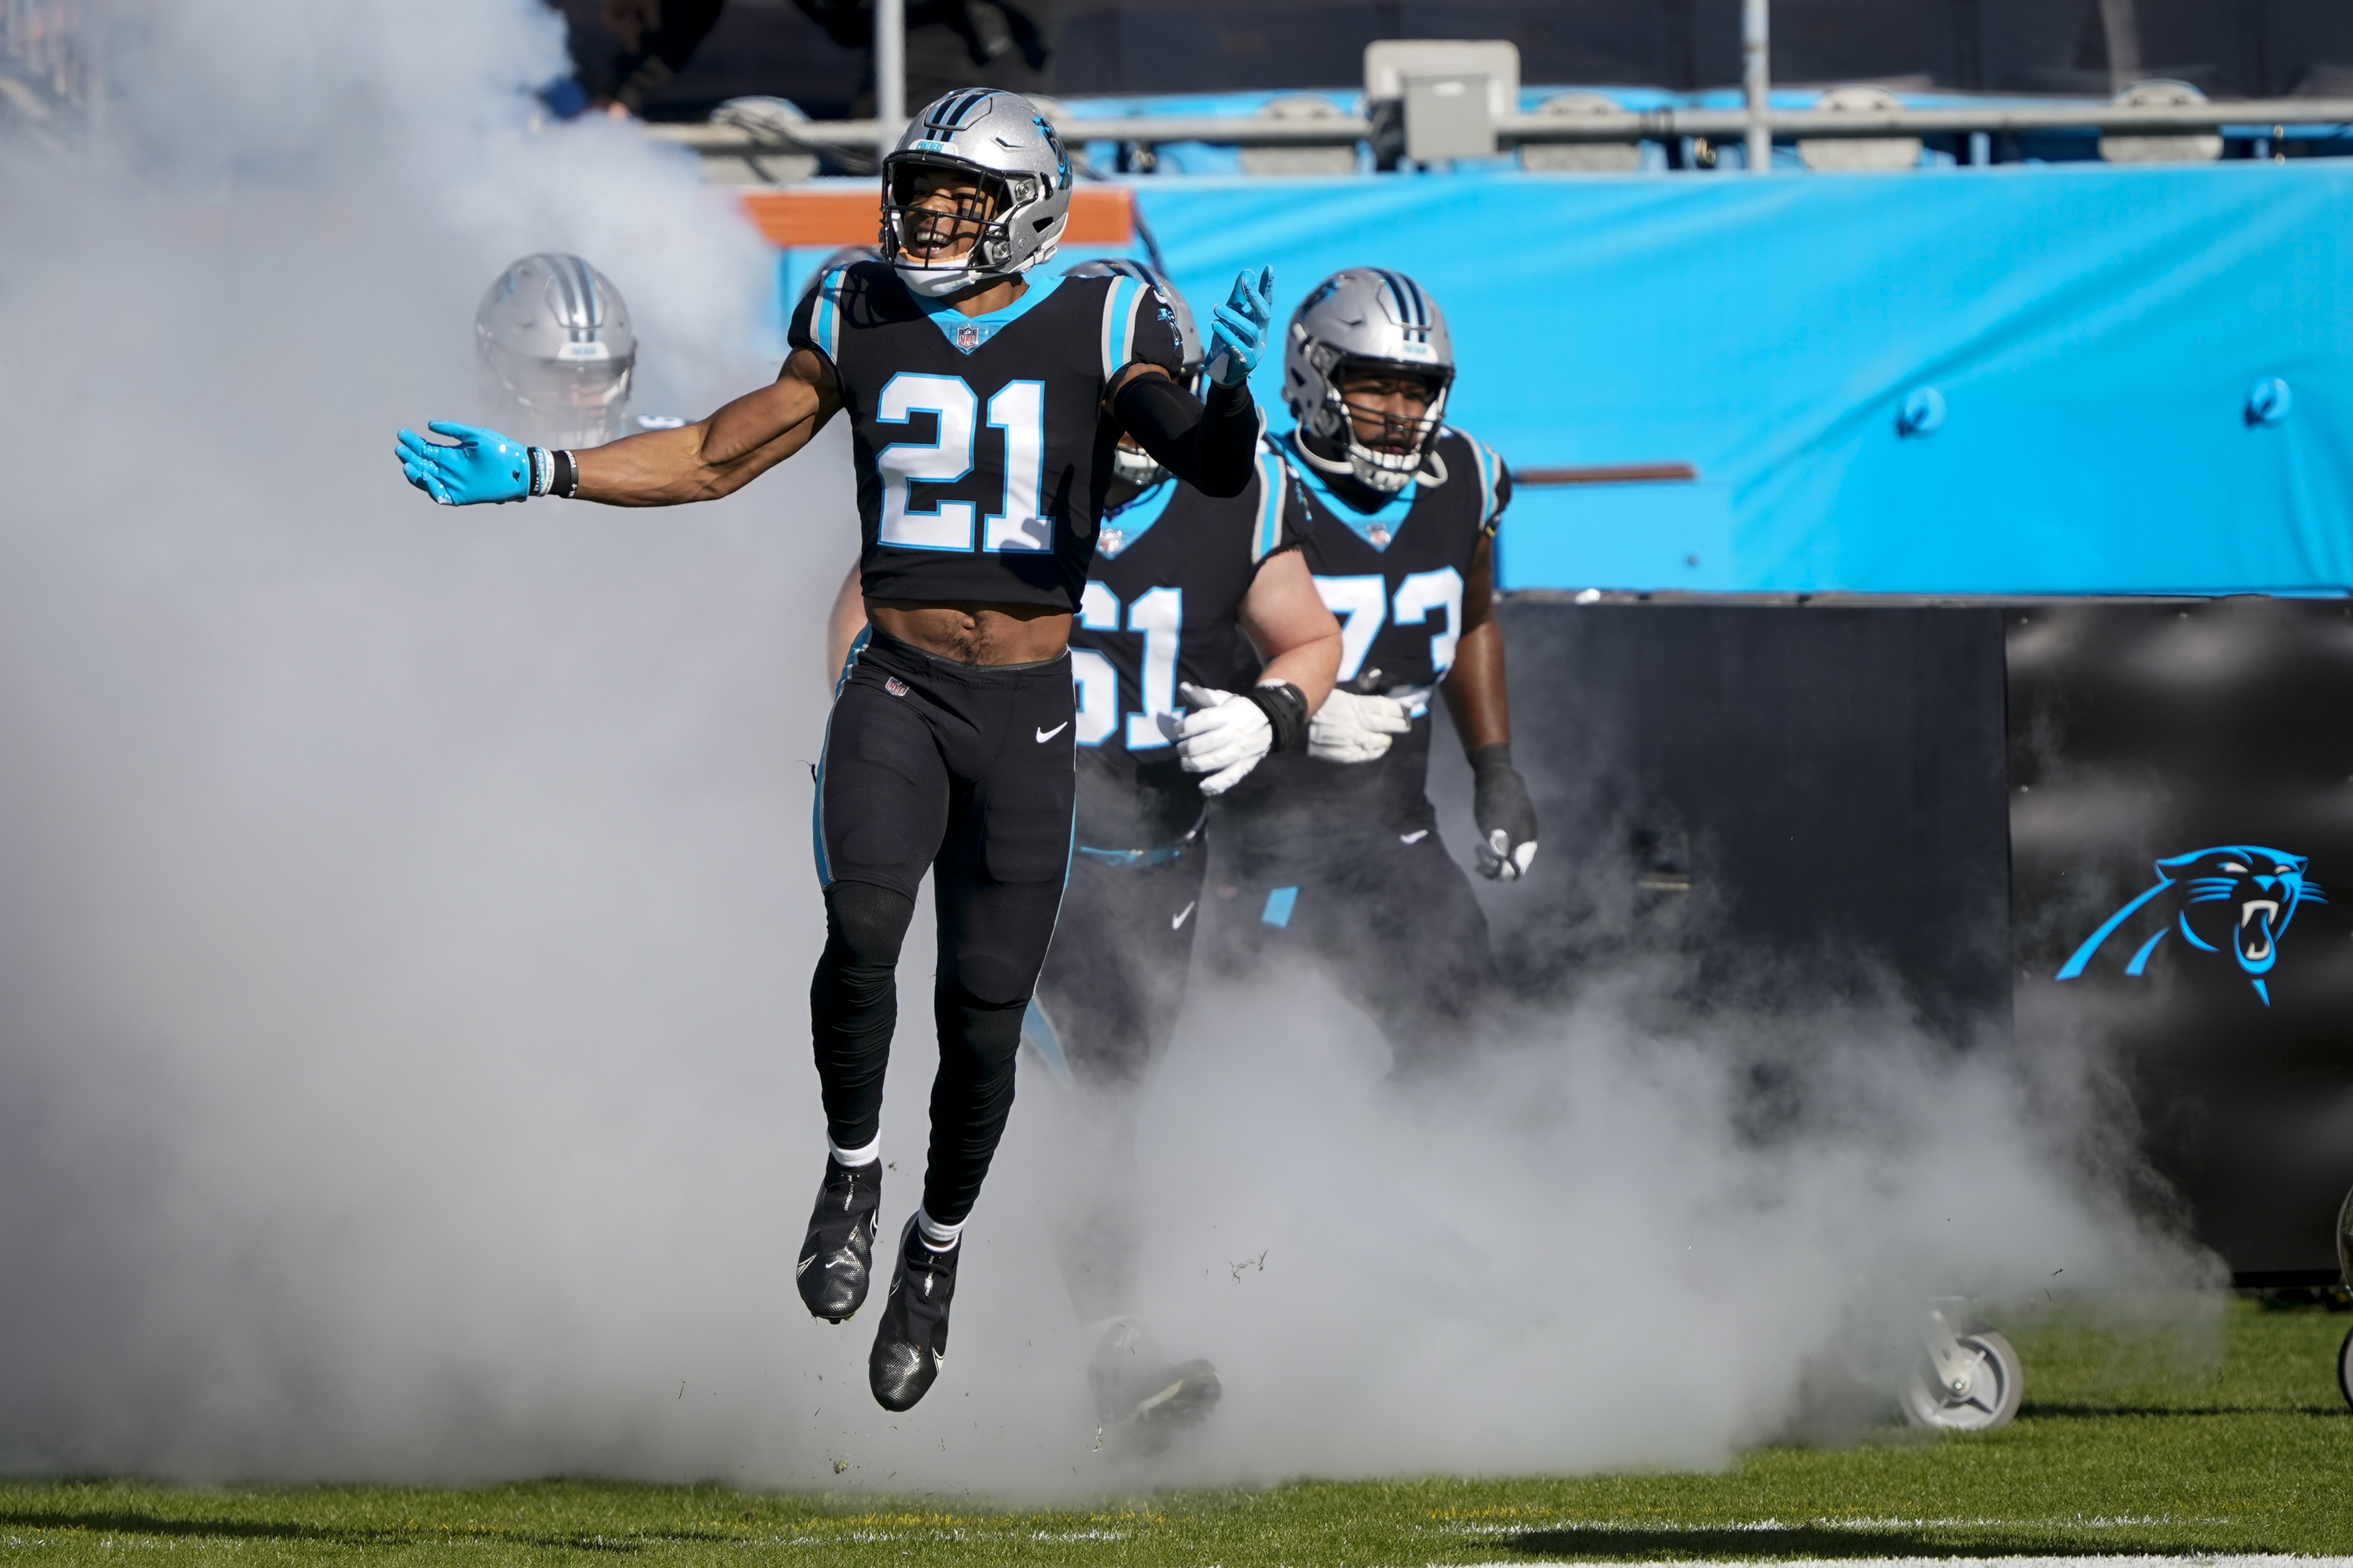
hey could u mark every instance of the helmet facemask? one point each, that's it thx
(939, 249)
(1395, 451)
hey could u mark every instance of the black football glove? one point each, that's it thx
(1507, 821)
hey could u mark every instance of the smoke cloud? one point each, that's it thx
(405, 921)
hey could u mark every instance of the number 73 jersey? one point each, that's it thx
(1162, 607)
(982, 448)
(1394, 579)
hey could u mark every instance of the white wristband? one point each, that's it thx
(543, 470)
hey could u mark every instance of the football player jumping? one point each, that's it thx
(984, 407)
(1179, 580)
(1339, 848)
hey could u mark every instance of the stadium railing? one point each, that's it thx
(2261, 119)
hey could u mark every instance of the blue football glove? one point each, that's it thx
(1243, 324)
(483, 466)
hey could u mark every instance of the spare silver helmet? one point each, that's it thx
(555, 351)
(1000, 142)
(1366, 316)
(1131, 463)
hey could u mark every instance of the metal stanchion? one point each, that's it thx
(1757, 79)
(890, 74)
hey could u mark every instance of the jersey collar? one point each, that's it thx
(1378, 529)
(1128, 524)
(966, 333)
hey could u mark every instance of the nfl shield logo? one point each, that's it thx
(967, 338)
(895, 685)
(1380, 536)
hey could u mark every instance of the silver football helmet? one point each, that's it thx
(1000, 142)
(554, 350)
(1128, 462)
(1374, 318)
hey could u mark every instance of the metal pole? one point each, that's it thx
(890, 73)
(1756, 77)
(2122, 28)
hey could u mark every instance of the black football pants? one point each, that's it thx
(1110, 995)
(1393, 921)
(966, 771)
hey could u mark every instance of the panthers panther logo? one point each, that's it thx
(1061, 154)
(2236, 898)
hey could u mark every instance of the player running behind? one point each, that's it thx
(984, 407)
(1178, 580)
(1339, 848)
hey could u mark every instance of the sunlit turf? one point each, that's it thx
(2126, 1444)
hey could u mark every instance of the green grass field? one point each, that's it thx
(2126, 1444)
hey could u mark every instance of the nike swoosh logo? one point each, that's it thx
(1045, 735)
(1415, 838)
(1178, 923)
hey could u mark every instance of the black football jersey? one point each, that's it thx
(1394, 579)
(1171, 569)
(982, 447)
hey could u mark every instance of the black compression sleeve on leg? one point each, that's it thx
(971, 1096)
(1209, 448)
(854, 1005)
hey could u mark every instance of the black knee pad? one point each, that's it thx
(866, 924)
(978, 1039)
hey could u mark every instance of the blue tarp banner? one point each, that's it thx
(2144, 374)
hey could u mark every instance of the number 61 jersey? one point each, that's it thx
(982, 447)
(1394, 579)
(1162, 607)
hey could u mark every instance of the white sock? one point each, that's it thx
(854, 1157)
(937, 1237)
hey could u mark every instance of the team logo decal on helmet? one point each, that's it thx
(1369, 319)
(978, 189)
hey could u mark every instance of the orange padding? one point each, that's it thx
(792, 214)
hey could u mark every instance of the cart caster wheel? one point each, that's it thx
(1997, 1379)
(2345, 1368)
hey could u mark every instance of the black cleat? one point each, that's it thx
(839, 1254)
(912, 1338)
(1141, 1399)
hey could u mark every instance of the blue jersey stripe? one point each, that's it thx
(1270, 505)
(1119, 320)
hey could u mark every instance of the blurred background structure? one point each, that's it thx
(677, 59)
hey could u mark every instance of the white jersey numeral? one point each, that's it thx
(1359, 602)
(1096, 677)
(1364, 606)
(1018, 409)
(1427, 591)
(1158, 614)
(948, 457)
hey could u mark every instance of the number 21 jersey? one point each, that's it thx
(982, 447)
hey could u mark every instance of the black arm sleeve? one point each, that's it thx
(1208, 447)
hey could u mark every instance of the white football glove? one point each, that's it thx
(1353, 728)
(1224, 738)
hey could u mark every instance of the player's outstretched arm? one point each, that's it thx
(1482, 711)
(718, 456)
(1210, 444)
(709, 459)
